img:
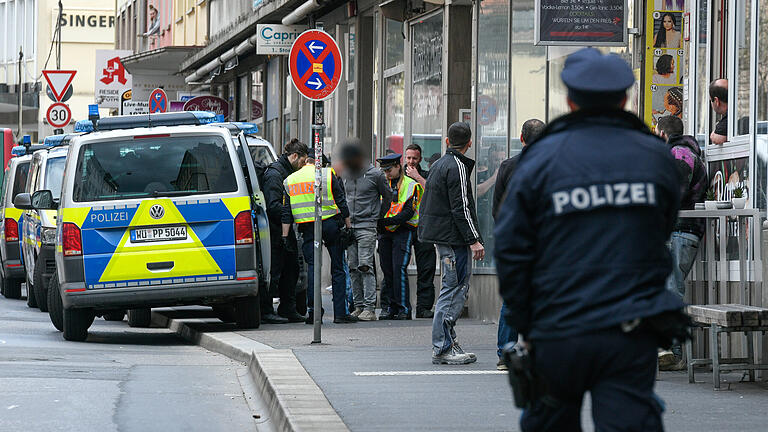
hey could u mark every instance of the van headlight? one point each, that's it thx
(48, 236)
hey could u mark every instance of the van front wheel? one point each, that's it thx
(247, 312)
(76, 324)
(139, 317)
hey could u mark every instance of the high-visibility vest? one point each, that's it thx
(301, 189)
(408, 188)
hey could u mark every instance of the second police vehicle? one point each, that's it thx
(156, 210)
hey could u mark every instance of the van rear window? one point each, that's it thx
(20, 179)
(153, 167)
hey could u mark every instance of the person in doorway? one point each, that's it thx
(582, 257)
(396, 232)
(300, 208)
(529, 132)
(687, 233)
(154, 23)
(426, 257)
(718, 97)
(366, 187)
(449, 220)
(284, 271)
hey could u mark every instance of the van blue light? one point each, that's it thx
(57, 140)
(19, 150)
(245, 127)
(84, 126)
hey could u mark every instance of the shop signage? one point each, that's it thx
(213, 104)
(85, 25)
(276, 38)
(581, 22)
(665, 53)
(112, 79)
(315, 65)
(134, 107)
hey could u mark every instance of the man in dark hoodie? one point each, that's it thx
(284, 272)
(687, 234)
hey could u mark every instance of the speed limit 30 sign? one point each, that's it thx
(58, 115)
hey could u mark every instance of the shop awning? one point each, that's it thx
(161, 59)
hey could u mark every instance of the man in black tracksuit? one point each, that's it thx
(285, 258)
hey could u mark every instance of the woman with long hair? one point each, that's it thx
(665, 70)
(666, 35)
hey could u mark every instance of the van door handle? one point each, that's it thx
(161, 265)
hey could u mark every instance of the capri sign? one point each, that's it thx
(276, 38)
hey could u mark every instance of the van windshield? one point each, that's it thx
(54, 174)
(152, 167)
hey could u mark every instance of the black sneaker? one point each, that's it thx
(294, 317)
(401, 316)
(346, 319)
(425, 314)
(272, 318)
(385, 315)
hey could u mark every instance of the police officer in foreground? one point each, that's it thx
(582, 260)
(300, 208)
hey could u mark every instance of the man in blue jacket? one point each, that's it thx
(582, 258)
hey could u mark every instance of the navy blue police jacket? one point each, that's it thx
(581, 236)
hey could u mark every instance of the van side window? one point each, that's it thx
(20, 179)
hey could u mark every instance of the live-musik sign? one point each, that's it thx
(581, 22)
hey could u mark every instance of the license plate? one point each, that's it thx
(158, 234)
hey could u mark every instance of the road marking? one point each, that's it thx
(435, 372)
(12, 407)
(2, 341)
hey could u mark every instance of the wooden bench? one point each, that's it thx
(727, 318)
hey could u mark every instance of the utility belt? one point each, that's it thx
(667, 328)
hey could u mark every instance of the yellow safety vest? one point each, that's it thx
(409, 188)
(301, 189)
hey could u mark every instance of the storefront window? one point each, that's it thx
(426, 92)
(351, 54)
(394, 86)
(492, 111)
(243, 108)
(701, 81)
(743, 59)
(257, 99)
(528, 79)
(761, 141)
(376, 97)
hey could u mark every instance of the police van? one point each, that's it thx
(38, 229)
(12, 268)
(156, 210)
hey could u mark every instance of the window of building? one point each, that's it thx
(243, 101)
(394, 86)
(701, 81)
(427, 85)
(257, 98)
(741, 94)
(761, 127)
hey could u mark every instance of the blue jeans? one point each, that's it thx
(331, 239)
(506, 333)
(455, 263)
(684, 248)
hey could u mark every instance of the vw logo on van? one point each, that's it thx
(156, 211)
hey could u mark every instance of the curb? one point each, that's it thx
(294, 400)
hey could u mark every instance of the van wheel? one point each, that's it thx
(39, 287)
(225, 312)
(12, 288)
(247, 312)
(114, 315)
(31, 300)
(55, 306)
(76, 323)
(139, 317)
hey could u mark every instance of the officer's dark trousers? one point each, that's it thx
(426, 259)
(332, 241)
(394, 255)
(284, 274)
(618, 370)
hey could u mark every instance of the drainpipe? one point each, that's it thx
(302, 11)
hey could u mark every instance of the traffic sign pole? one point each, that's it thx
(318, 130)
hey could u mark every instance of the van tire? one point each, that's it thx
(39, 287)
(224, 312)
(76, 323)
(55, 305)
(31, 299)
(139, 317)
(247, 312)
(114, 315)
(12, 288)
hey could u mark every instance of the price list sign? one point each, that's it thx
(581, 22)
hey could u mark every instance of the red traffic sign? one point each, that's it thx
(315, 65)
(58, 115)
(158, 101)
(59, 81)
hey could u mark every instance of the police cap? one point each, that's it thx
(389, 160)
(588, 70)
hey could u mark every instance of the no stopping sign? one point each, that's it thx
(58, 115)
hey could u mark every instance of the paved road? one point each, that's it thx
(121, 379)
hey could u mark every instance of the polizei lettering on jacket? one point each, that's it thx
(585, 198)
(109, 217)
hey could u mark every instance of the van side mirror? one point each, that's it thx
(22, 201)
(43, 200)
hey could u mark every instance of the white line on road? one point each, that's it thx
(12, 407)
(444, 372)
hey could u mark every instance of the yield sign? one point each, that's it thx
(59, 81)
(315, 65)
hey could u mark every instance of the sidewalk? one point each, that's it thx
(378, 376)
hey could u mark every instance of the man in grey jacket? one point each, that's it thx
(366, 187)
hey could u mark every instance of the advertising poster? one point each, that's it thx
(726, 175)
(664, 56)
(581, 22)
